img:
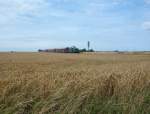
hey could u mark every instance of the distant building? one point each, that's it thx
(72, 49)
(62, 50)
(88, 45)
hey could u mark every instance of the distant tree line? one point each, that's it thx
(72, 49)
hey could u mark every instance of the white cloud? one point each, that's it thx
(99, 7)
(14, 10)
(146, 25)
(21, 5)
(11, 10)
(147, 1)
(118, 1)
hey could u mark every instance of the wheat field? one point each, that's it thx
(94, 83)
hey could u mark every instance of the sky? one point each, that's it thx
(29, 25)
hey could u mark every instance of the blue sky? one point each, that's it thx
(27, 25)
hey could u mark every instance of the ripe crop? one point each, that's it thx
(94, 83)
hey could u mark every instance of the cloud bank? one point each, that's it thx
(146, 25)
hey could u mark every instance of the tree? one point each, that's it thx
(83, 50)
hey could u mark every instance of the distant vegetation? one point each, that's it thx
(72, 49)
(43, 83)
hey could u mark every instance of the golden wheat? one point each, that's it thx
(44, 83)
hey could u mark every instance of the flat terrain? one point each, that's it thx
(94, 83)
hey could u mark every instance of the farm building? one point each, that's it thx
(62, 50)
